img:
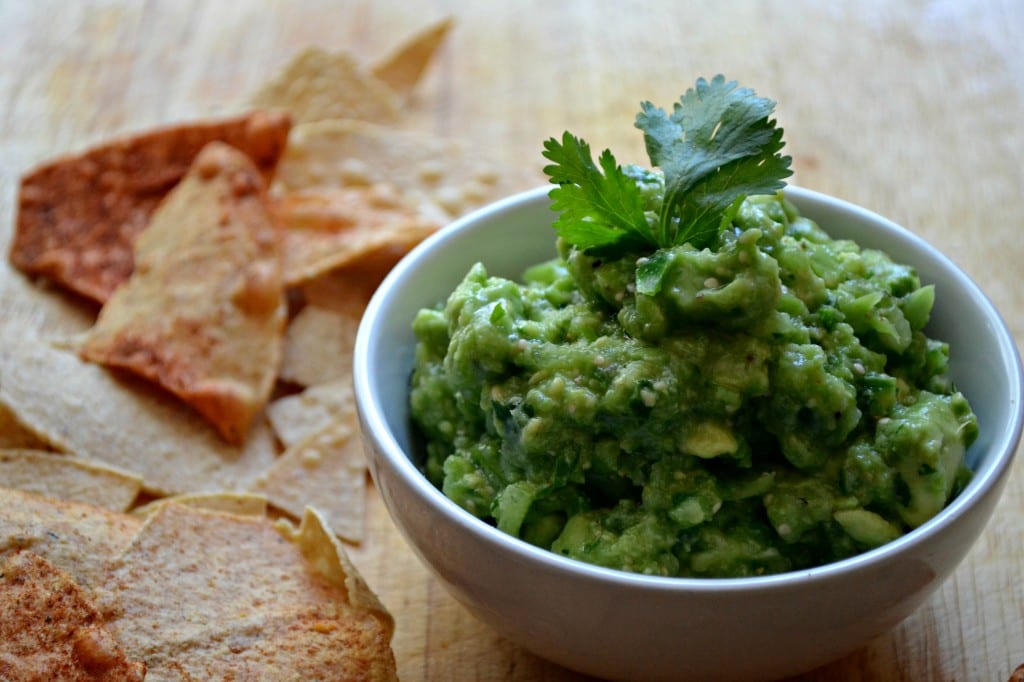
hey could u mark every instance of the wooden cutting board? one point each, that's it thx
(912, 109)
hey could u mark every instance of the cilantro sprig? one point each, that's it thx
(718, 146)
(595, 209)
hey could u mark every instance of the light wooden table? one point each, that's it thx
(912, 109)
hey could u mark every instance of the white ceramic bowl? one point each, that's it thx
(620, 625)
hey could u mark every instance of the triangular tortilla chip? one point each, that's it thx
(51, 630)
(221, 596)
(68, 478)
(441, 178)
(296, 417)
(403, 68)
(79, 216)
(327, 228)
(37, 306)
(85, 410)
(14, 435)
(325, 470)
(203, 314)
(317, 84)
(318, 346)
(243, 504)
(78, 538)
(322, 550)
(348, 289)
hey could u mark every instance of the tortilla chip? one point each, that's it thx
(68, 478)
(327, 471)
(296, 417)
(440, 178)
(77, 538)
(14, 435)
(403, 68)
(317, 84)
(322, 550)
(79, 216)
(318, 346)
(327, 228)
(220, 596)
(82, 409)
(51, 630)
(204, 313)
(37, 306)
(243, 504)
(348, 289)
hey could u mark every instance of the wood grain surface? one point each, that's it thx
(913, 109)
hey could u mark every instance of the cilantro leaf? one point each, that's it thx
(596, 209)
(718, 146)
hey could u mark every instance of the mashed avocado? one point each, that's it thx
(776, 405)
(703, 383)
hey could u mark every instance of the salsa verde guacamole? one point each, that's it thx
(771, 402)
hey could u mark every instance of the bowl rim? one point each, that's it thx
(375, 425)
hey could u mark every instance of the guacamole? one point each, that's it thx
(704, 382)
(776, 405)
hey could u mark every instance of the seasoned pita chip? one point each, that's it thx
(68, 478)
(326, 470)
(403, 68)
(318, 84)
(243, 504)
(51, 630)
(80, 539)
(328, 228)
(79, 216)
(82, 409)
(296, 417)
(440, 178)
(318, 346)
(207, 595)
(204, 313)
